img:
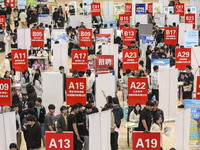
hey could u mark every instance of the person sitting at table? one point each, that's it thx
(42, 53)
(31, 52)
(135, 113)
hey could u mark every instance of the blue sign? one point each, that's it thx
(147, 39)
(161, 63)
(194, 118)
(191, 38)
(139, 9)
(109, 22)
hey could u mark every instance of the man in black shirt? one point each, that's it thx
(73, 126)
(61, 20)
(145, 117)
(94, 109)
(187, 85)
(55, 16)
(62, 71)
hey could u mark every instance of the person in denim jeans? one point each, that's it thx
(41, 112)
(8, 13)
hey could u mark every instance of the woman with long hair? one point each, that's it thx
(37, 84)
(135, 113)
(31, 94)
(148, 57)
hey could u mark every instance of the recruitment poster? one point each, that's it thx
(96, 9)
(79, 60)
(140, 9)
(182, 58)
(37, 37)
(190, 18)
(150, 8)
(161, 63)
(180, 9)
(191, 38)
(85, 37)
(33, 3)
(128, 9)
(171, 35)
(130, 59)
(129, 34)
(198, 88)
(194, 118)
(137, 90)
(119, 8)
(103, 62)
(102, 39)
(20, 59)
(76, 90)
(5, 92)
(124, 19)
(2, 21)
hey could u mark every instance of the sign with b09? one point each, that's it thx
(5, 92)
(59, 141)
(146, 141)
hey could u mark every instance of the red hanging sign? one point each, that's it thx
(2, 21)
(59, 141)
(198, 88)
(85, 37)
(5, 92)
(79, 60)
(76, 90)
(182, 58)
(130, 59)
(129, 34)
(11, 2)
(128, 9)
(124, 19)
(19, 59)
(37, 37)
(102, 62)
(95, 9)
(146, 141)
(180, 9)
(190, 18)
(171, 35)
(137, 90)
(150, 8)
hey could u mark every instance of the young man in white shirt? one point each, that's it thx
(42, 53)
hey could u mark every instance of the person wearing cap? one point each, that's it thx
(62, 120)
(145, 117)
(187, 85)
(124, 84)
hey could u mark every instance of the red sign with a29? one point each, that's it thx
(59, 141)
(5, 92)
(37, 37)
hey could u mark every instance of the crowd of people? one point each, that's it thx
(33, 119)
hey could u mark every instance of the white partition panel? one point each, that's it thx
(182, 28)
(24, 38)
(52, 89)
(168, 92)
(94, 132)
(182, 130)
(104, 82)
(142, 18)
(112, 49)
(171, 18)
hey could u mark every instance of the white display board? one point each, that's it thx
(44, 18)
(195, 63)
(8, 130)
(24, 38)
(182, 28)
(87, 20)
(60, 56)
(99, 127)
(94, 130)
(74, 20)
(171, 18)
(108, 8)
(104, 82)
(52, 90)
(168, 90)
(182, 130)
(142, 18)
(112, 49)
(105, 117)
(108, 31)
(159, 19)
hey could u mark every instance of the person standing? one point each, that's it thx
(62, 71)
(124, 84)
(66, 12)
(61, 20)
(49, 122)
(34, 134)
(55, 16)
(73, 126)
(15, 17)
(46, 10)
(187, 85)
(148, 57)
(37, 85)
(41, 112)
(154, 83)
(145, 117)
(23, 17)
(7, 41)
(62, 120)
(8, 13)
